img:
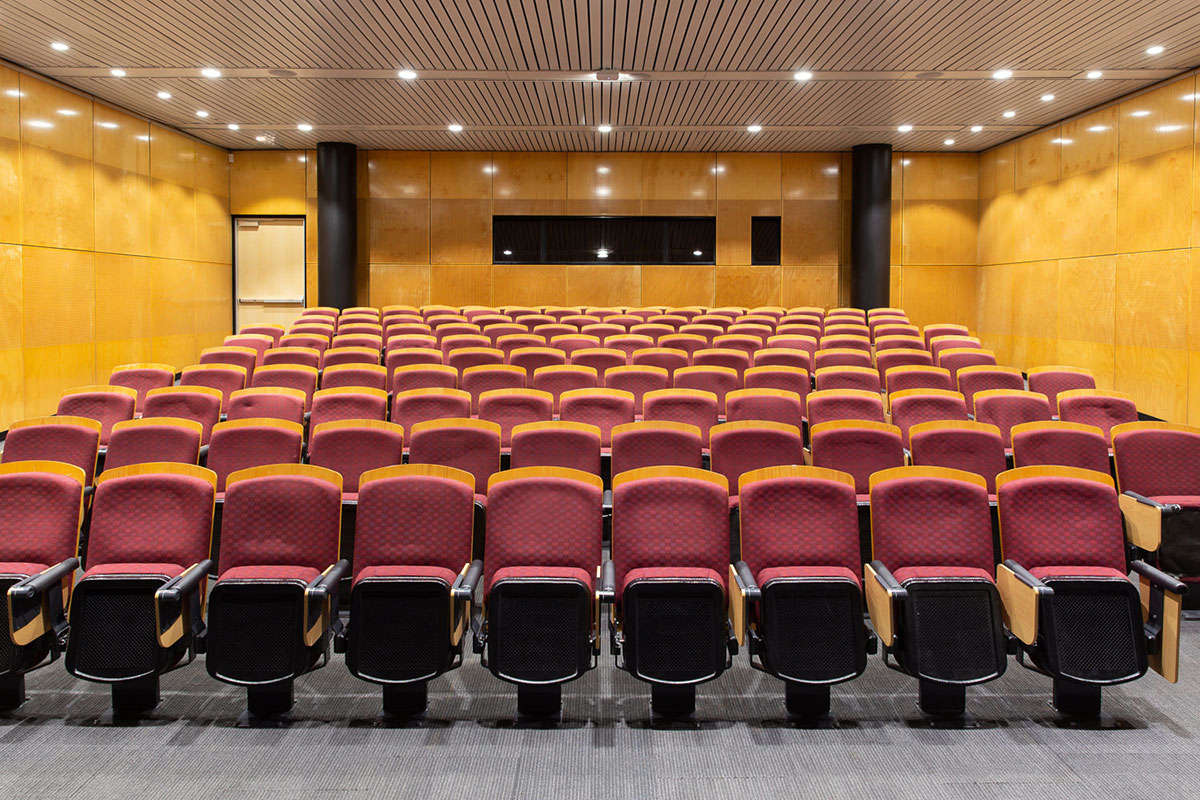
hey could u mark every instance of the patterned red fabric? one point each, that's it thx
(413, 519)
(409, 408)
(1008, 410)
(304, 380)
(142, 570)
(142, 444)
(258, 345)
(905, 574)
(478, 381)
(1068, 448)
(797, 341)
(927, 522)
(769, 407)
(706, 330)
(831, 407)
(977, 381)
(425, 376)
(466, 357)
(799, 522)
(407, 356)
(783, 573)
(1185, 500)
(569, 344)
(588, 579)
(269, 406)
(915, 409)
(672, 574)
(556, 447)
(841, 378)
(226, 355)
(845, 342)
(202, 408)
(508, 343)
(841, 357)
(662, 356)
(943, 330)
(858, 451)
(978, 451)
(600, 359)
(784, 380)
(108, 408)
(352, 451)
(370, 378)
(951, 343)
(1050, 573)
(532, 358)
(718, 381)
(511, 410)
(232, 449)
(783, 357)
(70, 444)
(700, 411)
(351, 355)
(636, 380)
(602, 330)
(474, 450)
(418, 339)
(736, 360)
(742, 343)
(735, 451)
(1061, 521)
(888, 359)
(273, 573)
(315, 341)
(394, 331)
(1101, 411)
(670, 523)
(151, 519)
(291, 520)
(1051, 382)
(605, 411)
(652, 329)
(903, 379)
(345, 405)
(556, 380)
(956, 361)
(142, 381)
(638, 447)
(263, 330)
(446, 576)
(542, 522)
(1157, 462)
(23, 569)
(627, 343)
(39, 516)
(367, 340)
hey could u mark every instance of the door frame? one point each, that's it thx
(233, 272)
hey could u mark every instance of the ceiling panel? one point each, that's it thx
(518, 74)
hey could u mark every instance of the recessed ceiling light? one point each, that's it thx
(508, 252)
(605, 128)
(697, 252)
(68, 112)
(1140, 113)
(976, 128)
(1046, 98)
(601, 253)
(455, 127)
(109, 125)
(1002, 74)
(164, 95)
(407, 74)
(202, 114)
(1009, 114)
(40, 123)
(802, 75)
(754, 128)
(1168, 128)
(1094, 74)
(1155, 50)
(304, 126)
(61, 47)
(233, 126)
(1098, 128)
(948, 142)
(904, 128)
(209, 72)
(117, 73)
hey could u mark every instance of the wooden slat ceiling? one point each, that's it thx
(519, 74)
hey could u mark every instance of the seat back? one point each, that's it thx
(835, 404)
(841, 357)
(67, 440)
(486, 378)
(655, 443)
(245, 357)
(563, 378)
(200, 403)
(107, 405)
(463, 358)
(604, 408)
(424, 376)
(716, 380)
(226, 378)
(1005, 408)
(405, 337)
(373, 376)
(153, 439)
(930, 517)
(863, 378)
(259, 343)
(571, 445)
(1055, 443)
(856, 447)
(740, 447)
(637, 379)
(350, 355)
(1157, 459)
(142, 378)
(264, 329)
(776, 405)
(352, 447)
(472, 445)
(1103, 409)
(662, 357)
(900, 379)
(900, 357)
(312, 341)
(243, 443)
(417, 405)
(943, 329)
(737, 360)
(981, 378)
(570, 342)
(688, 406)
(509, 408)
(974, 447)
(782, 357)
(940, 344)
(846, 342)
(275, 402)
(958, 358)
(533, 358)
(348, 402)
(291, 376)
(1052, 380)
(43, 511)
(407, 356)
(913, 406)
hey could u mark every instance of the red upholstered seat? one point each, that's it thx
(913, 406)
(1007, 408)
(352, 447)
(689, 406)
(244, 443)
(485, 378)
(142, 378)
(370, 375)
(1050, 381)
(572, 445)
(1105, 410)
(650, 444)
(1068, 444)
(969, 446)
(71, 440)
(774, 405)
(291, 376)
(604, 408)
(471, 445)
(839, 404)
(417, 405)
(199, 403)
(717, 380)
(637, 379)
(741, 447)
(138, 441)
(857, 447)
(272, 402)
(107, 405)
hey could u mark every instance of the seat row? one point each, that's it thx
(681, 596)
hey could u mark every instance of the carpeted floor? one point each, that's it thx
(336, 746)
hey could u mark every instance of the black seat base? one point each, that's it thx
(405, 699)
(941, 699)
(270, 699)
(1076, 699)
(806, 699)
(539, 700)
(671, 700)
(131, 698)
(12, 690)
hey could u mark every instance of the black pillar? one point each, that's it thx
(870, 225)
(337, 223)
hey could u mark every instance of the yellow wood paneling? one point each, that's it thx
(616, 285)
(749, 176)
(1158, 121)
(1153, 300)
(529, 284)
(267, 182)
(1087, 315)
(399, 230)
(172, 157)
(123, 207)
(1154, 204)
(393, 284)
(1087, 224)
(10, 156)
(58, 287)
(940, 231)
(398, 173)
(938, 294)
(12, 388)
(529, 183)
(1090, 142)
(678, 286)
(940, 176)
(604, 183)
(1039, 158)
(809, 286)
(56, 199)
(460, 175)
(214, 240)
(11, 297)
(734, 226)
(212, 170)
(683, 184)
(747, 286)
(124, 298)
(172, 204)
(55, 119)
(51, 370)
(1035, 318)
(460, 231)
(461, 284)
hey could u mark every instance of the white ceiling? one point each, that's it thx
(518, 74)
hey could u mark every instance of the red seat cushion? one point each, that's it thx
(169, 570)
(23, 568)
(271, 573)
(1185, 500)
(775, 573)
(438, 573)
(905, 574)
(1049, 573)
(557, 573)
(672, 574)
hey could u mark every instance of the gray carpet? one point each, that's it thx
(335, 745)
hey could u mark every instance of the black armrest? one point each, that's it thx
(318, 604)
(1166, 508)
(746, 581)
(887, 580)
(173, 598)
(35, 605)
(203, 453)
(464, 586)
(88, 491)
(1026, 577)
(175, 589)
(607, 593)
(328, 581)
(1159, 578)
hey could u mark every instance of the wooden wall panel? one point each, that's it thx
(604, 183)
(529, 183)
(747, 286)
(12, 367)
(267, 182)
(616, 285)
(10, 156)
(1087, 316)
(124, 311)
(679, 184)
(529, 284)
(938, 294)
(460, 209)
(460, 284)
(809, 286)
(399, 284)
(678, 286)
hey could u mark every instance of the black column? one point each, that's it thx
(337, 223)
(870, 225)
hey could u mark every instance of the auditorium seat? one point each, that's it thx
(571, 445)
(463, 358)
(742, 343)
(886, 329)
(225, 378)
(264, 329)
(740, 447)
(409, 334)
(1005, 408)
(498, 329)
(930, 587)
(688, 406)
(292, 376)
(911, 407)
(1055, 443)
(509, 408)
(856, 447)
(840, 357)
(835, 404)
(199, 403)
(654, 330)
(579, 320)
(637, 379)
(785, 378)
(106, 404)
(313, 341)
(900, 357)
(655, 443)
(961, 445)
(472, 445)
(716, 380)
(662, 357)
(604, 408)
(782, 357)
(705, 330)
(42, 501)
(670, 563)
(256, 342)
(600, 359)
(737, 360)
(1066, 595)
(243, 443)
(845, 342)
(485, 378)
(602, 330)
(983, 377)
(560, 378)
(943, 329)
(533, 358)
(341, 356)
(153, 439)
(687, 343)
(417, 405)
(64, 439)
(271, 611)
(569, 343)
(776, 405)
(1104, 409)
(940, 344)
(371, 375)
(363, 339)
(627, 343)
(916, 376)
(541, 618)
(348, 402)
(448, 344)
(796, 592)
(137, 612)
(862, 378)
(303, 356)
(142, 378)
(424, 376)
(351, 447)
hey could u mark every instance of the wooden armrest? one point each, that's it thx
(880, 605)
(1166, 661)
(1143, 523)
(1019, 604)
(737, 607)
